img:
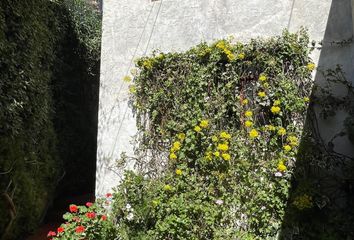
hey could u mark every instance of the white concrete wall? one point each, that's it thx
(134, 28)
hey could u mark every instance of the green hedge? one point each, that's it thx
(31, 58)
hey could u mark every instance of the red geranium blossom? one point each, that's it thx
(73, 208)
(89, 204)
(104, 218)
(80, 229)
(109, 195)
(60, 229)
(51, 234)
(90, 215)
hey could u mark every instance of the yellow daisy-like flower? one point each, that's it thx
(226, 156)
(310, 66)
(177, 145)
(216, 154)
(275, 109)
(214, 138)
(181, 136)
(241, 56)
(127, 78)
(261, 94)
(204, 123)
(223, 147)
(244, 101)
(287, 148)
(253, 133)
(281, 167)
(167, 188)
(293, 141)
(173, 156)
(248, 123)
(178, 171)
(276, 103)
(197, 129)
(306, 99)
(262, 77)
(225, 135)
(230, 56)
(281, 131)
(248, 114)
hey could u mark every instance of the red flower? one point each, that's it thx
(91, 215)
(51, 234)
(73, 208)
(109, 195)
(89, 204)
(104, 218)
(80, 229)
(60, 229)
(76, 219)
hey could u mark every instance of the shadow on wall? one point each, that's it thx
(321, 203)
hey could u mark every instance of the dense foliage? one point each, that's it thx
(31, 56)
(229, 117)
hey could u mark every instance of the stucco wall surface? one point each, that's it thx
(132, 29)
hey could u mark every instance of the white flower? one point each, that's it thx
(128, 206)
(219, 202)
(263, 208)
(130, 216)
(278, 174)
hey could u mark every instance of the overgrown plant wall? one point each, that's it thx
(222, 124)
(36, 38)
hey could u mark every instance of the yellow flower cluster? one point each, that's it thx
(167, 188)
(127, 78)
(197, 129)
(181, 136)
(241, 56)
(147, 64)
(275, 109)
(244, 101)
(281, 167)
(287, 148)
(225, 135)
(223, 147)
(132, 89)
(179, 172)
(222, 45)
(176, 146)
(310, 66)
(253, 133)
(248, 123)
(303, 202)
(306, 99)
(204, 124)
(293, 141)
(262, 77)
(248, 113)
(281, 131)
(261, 94)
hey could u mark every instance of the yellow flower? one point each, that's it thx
(167, 188)
(248, 123)
(253, 133)
(197, 129)
(181, 136)
(177, 145)
(178, 171)
(221, 44)
(281, 167)
(132, 89)
(173, 156)
(293, 141)
(276, 103)
(226, 156)
(311, 66)
(281, 131)
(208, 155)
(204, 123)
(287, 148)
(216, 154)
(225, 135)
(275, 109)
(127, 78)
(223, 147)
(230, 56)
(261, 94)
(306, 99)
(155, 202)
(147, 64)
(248, 114)
(214, 138)
(270, 127)
(241, 56)
(262, 77)
(244, 101)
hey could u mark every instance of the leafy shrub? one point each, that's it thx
(229, 118)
